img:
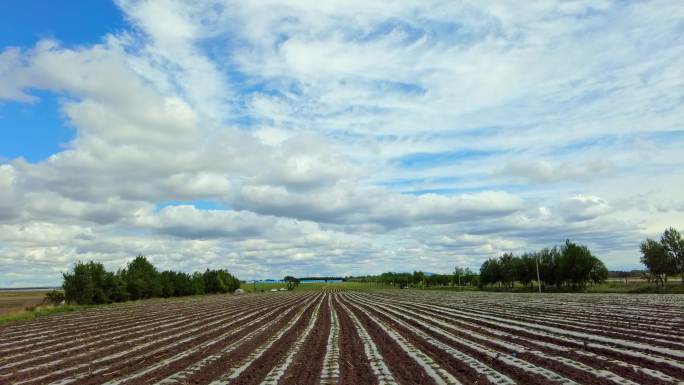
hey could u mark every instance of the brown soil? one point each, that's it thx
(41, 343)
(232, 359)
(127, 363)
(565, 370)
(404, 368)
(81, 338)
(605, 331)
(354, 366)
(308, 362)
(163, 372)
(514, 372)
(580, 376)
(665, 368)
(455, 367)
(258, 369)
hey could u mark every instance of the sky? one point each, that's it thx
(351, 137)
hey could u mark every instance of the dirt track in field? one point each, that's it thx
(347, 337)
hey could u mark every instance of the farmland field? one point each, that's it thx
(13, 301)
(330, 336)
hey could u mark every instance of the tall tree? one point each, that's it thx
(599, 272)
(509, 267)
(548, 266)
(526, 269)
(673, 244)
(490, 272)
(418, 278)
(576, 263)
(459, 275)
(291, 281)
(142, 279)
(657, 261)
(86, 285)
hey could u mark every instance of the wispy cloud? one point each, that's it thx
(350, 137)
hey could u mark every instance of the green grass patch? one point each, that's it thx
(637, 287)
(266, 287)
(261, 287)
(449, 288)
(360, 286)
(610, 287)
(27, 315)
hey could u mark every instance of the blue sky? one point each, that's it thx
(22, 23)
(37, 130)
(295, 137)
(34, 131)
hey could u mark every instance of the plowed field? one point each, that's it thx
(347, 337)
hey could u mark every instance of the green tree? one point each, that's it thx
(182, 284)
(403, 279)
(673, 244)
(292, 282)
(490, 272)
(167, 279)
(198, 286)
(232, 283)
(599, 272)
(549, 266)
(213, 283)
(526, 269)
(508, 267)
(115, 287)
(219, 281)
(575, 264)
(464, 276)
(89, 283)
(142, 279)
(470, 278)
(418, 278)
(86, 284)
(657, 260)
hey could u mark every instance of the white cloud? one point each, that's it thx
(545, 171)
(9, 196)
(300, 119)
(13, 80)
(582, 207)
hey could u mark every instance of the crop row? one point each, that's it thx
(382, 337)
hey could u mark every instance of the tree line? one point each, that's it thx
(461, 276)
(89, 283)
(664, 257)
(570, 265)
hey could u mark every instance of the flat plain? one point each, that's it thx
(331, 336)
(12, 301)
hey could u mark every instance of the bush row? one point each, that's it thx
(89, 283)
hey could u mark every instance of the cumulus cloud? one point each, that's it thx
(535, 123)
(9, 197)
(189, 222)
(582, 207)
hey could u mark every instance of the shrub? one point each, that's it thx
(54, 297)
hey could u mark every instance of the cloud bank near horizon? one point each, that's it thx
(298, 137)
